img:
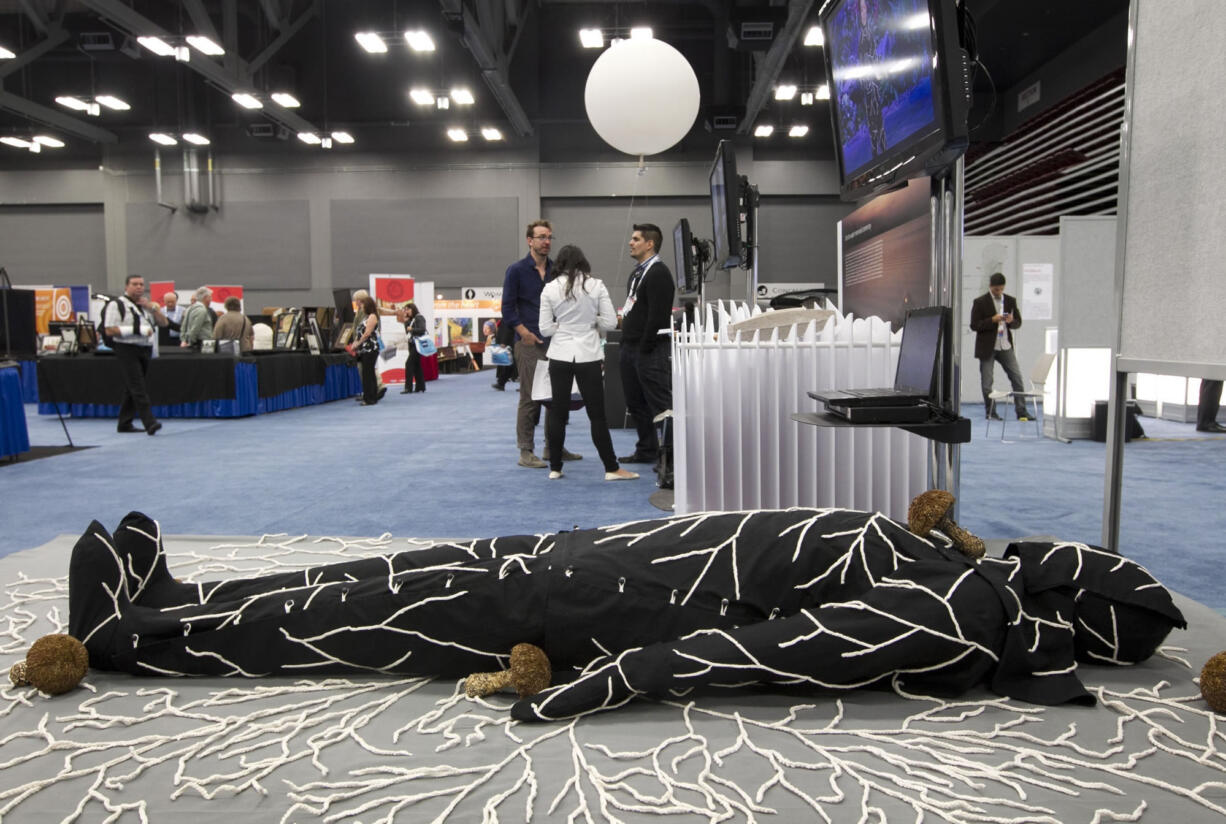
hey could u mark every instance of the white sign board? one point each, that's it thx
(766, 291)
(1037, 291)
(481, 293)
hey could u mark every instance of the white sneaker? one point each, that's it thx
(553, 476)
(621, 475)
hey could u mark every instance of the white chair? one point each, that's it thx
(1030, 397)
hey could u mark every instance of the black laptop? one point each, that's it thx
(915, 378)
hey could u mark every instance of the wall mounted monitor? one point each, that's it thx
(899, 90)
(726, 187)
(686, 268)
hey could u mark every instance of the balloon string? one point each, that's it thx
(634, 191)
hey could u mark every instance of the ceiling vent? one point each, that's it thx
(262, 130)
(753, 29)
(757, 30)
(96, 41)
(724, 122)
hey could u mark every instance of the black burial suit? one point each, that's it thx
(833, 598)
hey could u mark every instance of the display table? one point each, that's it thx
(194, 385)
(14, 437)
(943, 430)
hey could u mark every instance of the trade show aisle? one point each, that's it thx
(440, 464)
(443, 464)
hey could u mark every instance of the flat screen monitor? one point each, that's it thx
(726, 207)
(899, 90)
(686, 266)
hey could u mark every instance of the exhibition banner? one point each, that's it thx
(52, 305)
(157, 290)
(220, 293)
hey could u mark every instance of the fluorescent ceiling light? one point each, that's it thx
(342, 137)
(419, 41)
(491, 134)
(157, 45)
(798, 131)
(591, 38)
(422, 97)
(204, 45)
(112, 102)
(285, 99)
(806, 98)
(48, 141)
(196, 139)
(765, 130)
(443, 102)
(458, 135)
(247, 100)
(785, 92)
(640, 33)
(814, 37)
(823, 92)
(183, 54)
(164, 139)
(16, 142)
(325, 143)
(370, 41)
(309, 137)
(5, 54)
(75, 103)
(462, 97)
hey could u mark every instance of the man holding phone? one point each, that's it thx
(994, 316)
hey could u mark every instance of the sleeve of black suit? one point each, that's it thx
(1017, 314)
(936, 633)
(656, 291)
(981, 315)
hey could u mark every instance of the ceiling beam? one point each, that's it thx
(37, 15)
(287, 34)
(492, 63)
(56, 120)
(772, 64)
(201, 20)
(229, 81)
(55, 37)
(273, 13)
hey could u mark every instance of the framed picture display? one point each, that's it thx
(344, 335)
(208, 347)
(312, 342)
(279, 340)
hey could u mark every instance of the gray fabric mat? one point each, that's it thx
(388, 749)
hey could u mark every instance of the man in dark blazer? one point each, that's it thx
(993, 317)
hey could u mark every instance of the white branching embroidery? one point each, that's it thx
(394, 749)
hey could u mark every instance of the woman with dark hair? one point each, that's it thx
(366, 349)
(575, 308)
(414, 327)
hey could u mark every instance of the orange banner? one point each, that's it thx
(52, 305)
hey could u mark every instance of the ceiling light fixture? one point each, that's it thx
(16, 142)
(443, 102)
(325, 143)
(247, 100)
(196, 139)
(490, 133)
(458, 135)
(419, 41)
(48, 141)
(5, 54)
(204, 45)
(823, 92)
(785, 92)
(70, 102)
(163, 139)
(370, 41)
(640, 33)
(285, 99)
(806, 98)
(462, 97)
(422, 97)
(342, 137)
(765, 130)
(112, 102)
(157, 45)
(814, 36)
(798, 131)
(309, 138)
(591, 38)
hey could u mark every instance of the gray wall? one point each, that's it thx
(63, 244)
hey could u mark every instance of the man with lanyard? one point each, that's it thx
(646, 348)
(131, 321)
(994, 316)
(521, 311)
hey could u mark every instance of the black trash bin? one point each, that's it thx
(1132, 428)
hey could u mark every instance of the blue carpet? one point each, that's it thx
(443, 464)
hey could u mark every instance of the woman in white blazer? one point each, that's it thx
(575, 308)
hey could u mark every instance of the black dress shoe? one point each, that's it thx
(127, 427)
(501, 387)
(992, 416)
(638, 457)
(1212, 427)
(406, 391)
(153, 428)
(382, 392)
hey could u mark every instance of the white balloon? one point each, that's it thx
(641, 96)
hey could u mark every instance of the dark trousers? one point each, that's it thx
(1210, 403)
(413, 372)
(647, 383)
(1008, 359)
(506, 336)
(370, 381)
(134, 365)
(590, 377)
